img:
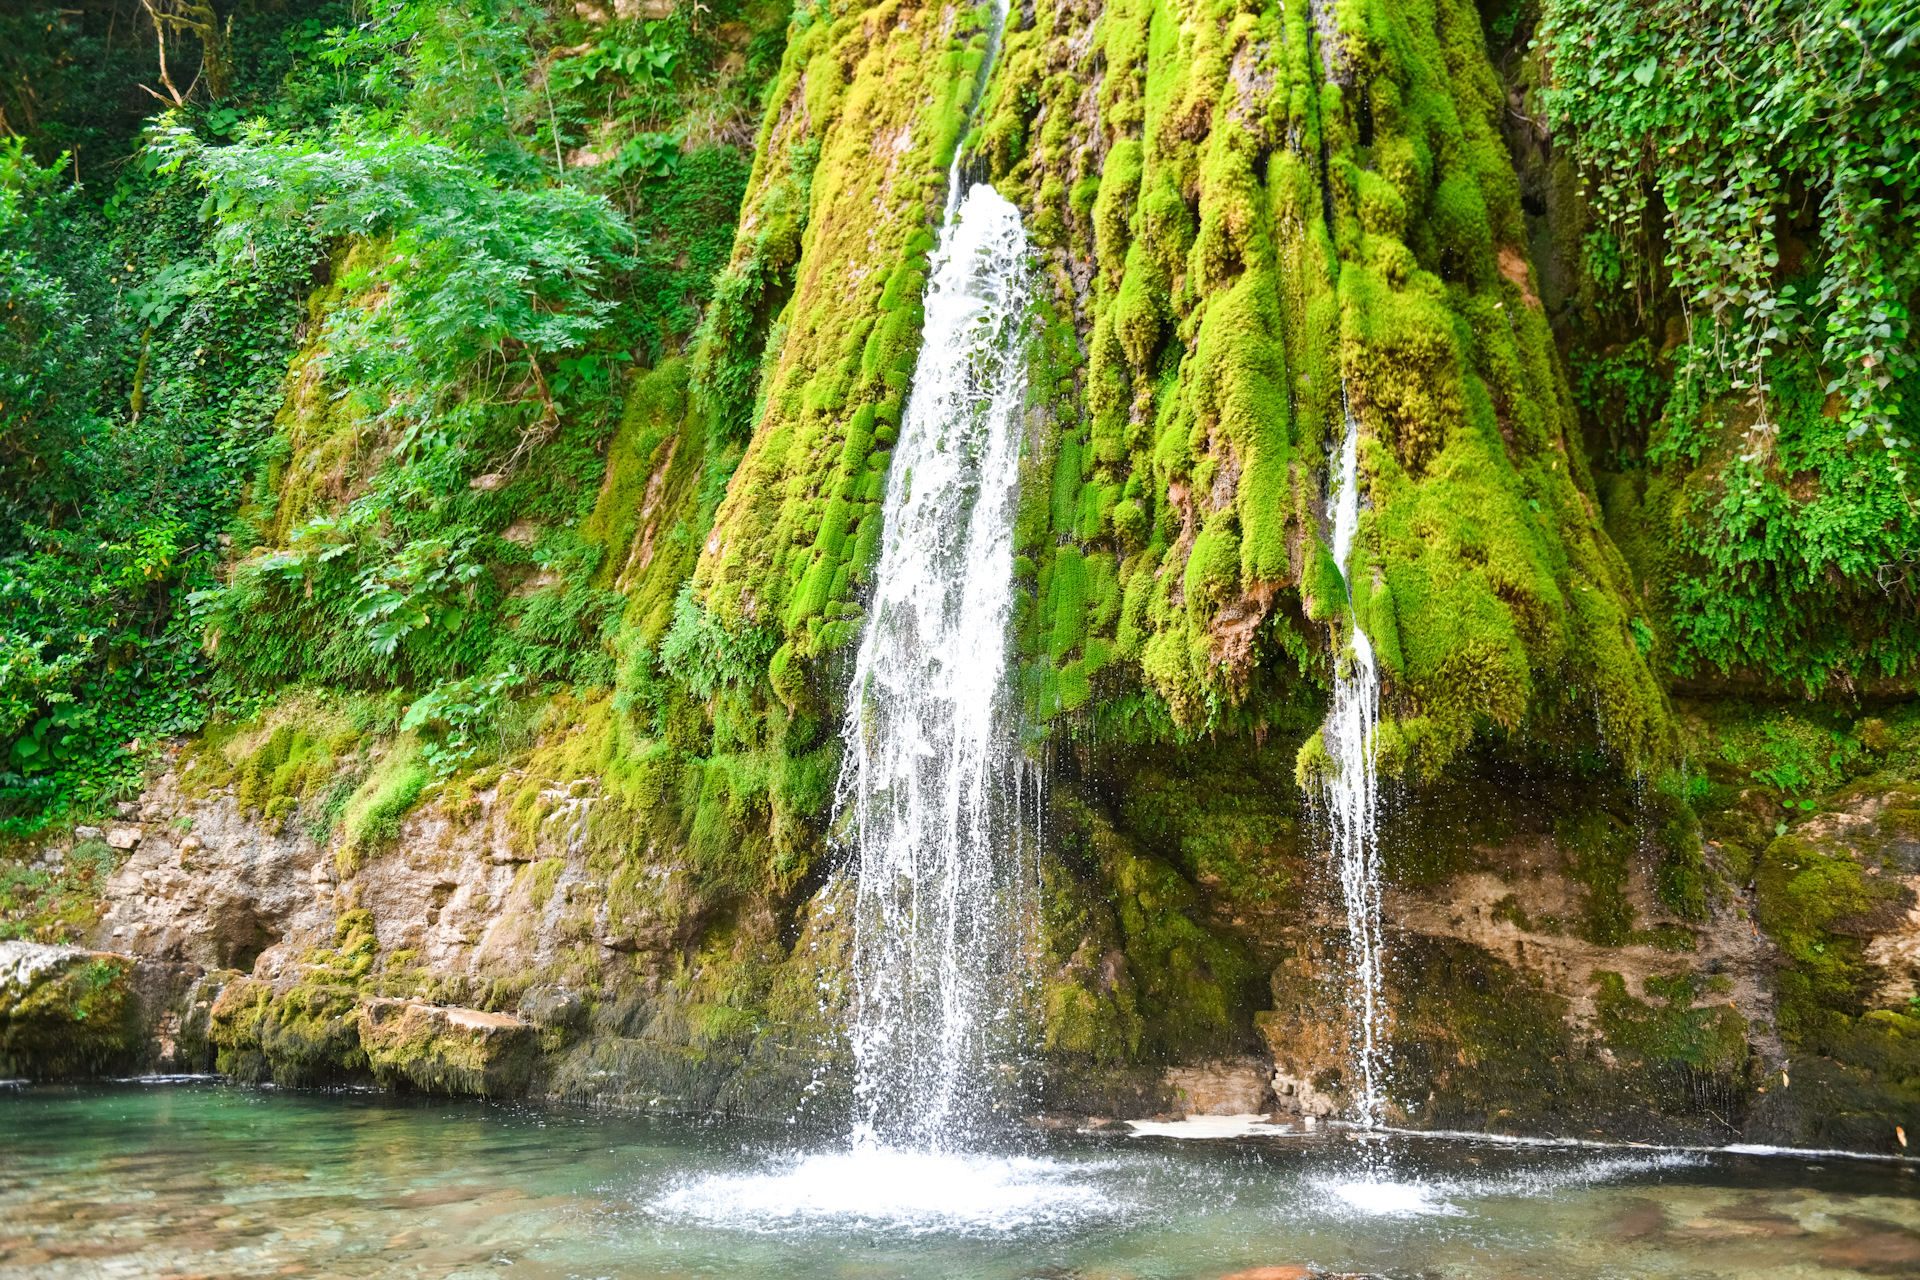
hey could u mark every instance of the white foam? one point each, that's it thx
(1242, 1126)
(911, 1191)
(1392, 1199)
(1823, 1153)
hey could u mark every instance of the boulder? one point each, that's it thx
(66, 1011)
(444, 1049)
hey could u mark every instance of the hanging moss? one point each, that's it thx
(1236, 290)
(880, 97)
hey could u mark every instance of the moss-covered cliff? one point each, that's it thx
(528, 651)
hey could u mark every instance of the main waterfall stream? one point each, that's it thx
(924, 792)
(940, 867)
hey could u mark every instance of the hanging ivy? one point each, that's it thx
(1764, 154)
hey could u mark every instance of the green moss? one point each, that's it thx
(1809, 895)
(1190, 988)
(540, 878)
(58, 904)
(447, 1051)
(1685, 1026)
(1599, 849)
(68, 1014)
(372, 815)
(1236, 306)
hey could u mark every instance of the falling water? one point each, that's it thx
(928, 788)
(1350, 791)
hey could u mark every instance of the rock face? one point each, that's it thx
(1223, 1088)
(267, 963)
(211, 889)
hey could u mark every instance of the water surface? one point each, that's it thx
(151, 1180)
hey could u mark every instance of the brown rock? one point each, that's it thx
(1221, 1088)
(1875, 1248)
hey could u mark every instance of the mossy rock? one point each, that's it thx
(307, 1035)
(448, 1050)
(66, 1011)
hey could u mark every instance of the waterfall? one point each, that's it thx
(1350, 792)
(927, 793)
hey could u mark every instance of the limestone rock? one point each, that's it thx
(1230, 1088)
(229, 892)
(123, 837)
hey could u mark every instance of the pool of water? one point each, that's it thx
(207, 1179)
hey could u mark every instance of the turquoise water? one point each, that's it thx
(207, 1179)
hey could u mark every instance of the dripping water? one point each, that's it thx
(928, 793)
(1350, 793)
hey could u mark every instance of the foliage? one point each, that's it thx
(1625, 391)
(137, 370)
(1753, 166)
(479, 283)
(1800, 567)
(470, 339)
(703, 655)
(1770, 148)
(77, 79)
(461, 709)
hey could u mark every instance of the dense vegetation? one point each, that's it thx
(155, 305)
(1748, 176)
(321, 316)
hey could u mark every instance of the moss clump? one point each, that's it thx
(373, 812)
(306, 1036)
(1089, 1007)
(1688, 1024)
(1816, 901)
(1598, 848)
(1290, 222)
(1191, 989)
(66, 1012)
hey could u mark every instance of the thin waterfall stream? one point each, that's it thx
(1350, 792)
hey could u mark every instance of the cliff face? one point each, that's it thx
(1610, 912)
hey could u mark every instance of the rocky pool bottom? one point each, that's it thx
(203, 1178)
